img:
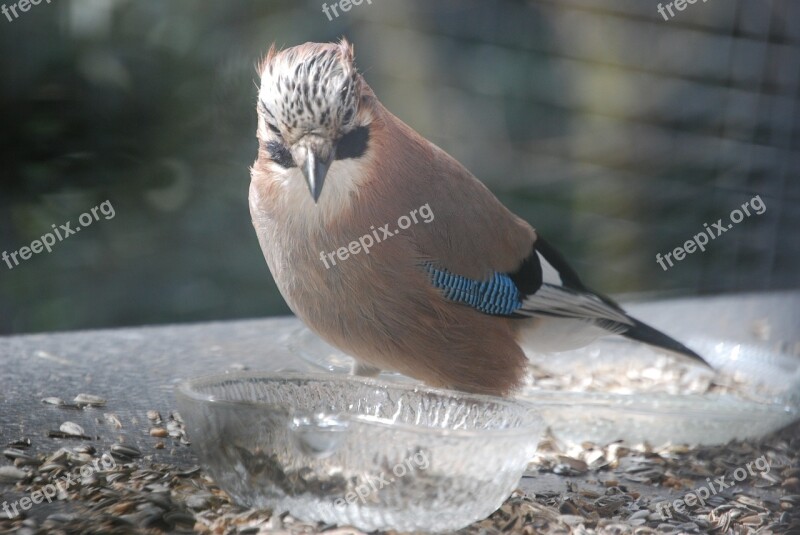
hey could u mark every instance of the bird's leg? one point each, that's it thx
(365, 370)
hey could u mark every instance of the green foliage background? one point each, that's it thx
(615, 133)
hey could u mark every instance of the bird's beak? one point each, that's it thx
(315, 170)
(314, 157)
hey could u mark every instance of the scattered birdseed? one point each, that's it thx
(663, 375)
(137, 495)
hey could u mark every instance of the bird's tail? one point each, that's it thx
(644, 333)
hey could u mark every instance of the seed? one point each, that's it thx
(61, 434)
(575, 464)
(80, 458)
(88, 400)
(52, 467)
(790, 502)
(116, 476)
(113, 419)
(188, 473)
(11, 474)
(59, 456)
(159, 445)
(568, 508)
(153, 415)
(125, 450)
(159, 432)
(20, 443)
(26, 461)
(174, 428)
(53, 401)
(122, 508)
(751, 519)
(179, 517)
(791, 472)
(198, 501)
(160, 499)
(85, 448)
(793, 483)
(13, 453)
(23, 458)
(71, 428)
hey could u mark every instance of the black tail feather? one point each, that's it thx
(644, 333)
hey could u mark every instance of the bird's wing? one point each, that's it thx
(480, 254)
(561, 293)
(543, 285)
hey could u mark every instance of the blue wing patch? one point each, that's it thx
(497, 295)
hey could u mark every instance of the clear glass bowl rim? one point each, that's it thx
(533, 422)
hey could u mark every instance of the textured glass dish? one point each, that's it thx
(618, 390)
(663, 399)
(355, 451)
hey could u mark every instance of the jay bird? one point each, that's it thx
(451, 302)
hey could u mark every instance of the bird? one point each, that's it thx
(451, 300)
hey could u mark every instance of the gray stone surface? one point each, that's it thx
(136, 370)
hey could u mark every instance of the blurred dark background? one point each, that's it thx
(614, 132)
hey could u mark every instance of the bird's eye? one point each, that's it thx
(274, 129)
(347, 116)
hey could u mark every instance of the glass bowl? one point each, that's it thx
(350, 450)
(615, 390)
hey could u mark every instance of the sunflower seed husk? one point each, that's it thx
(27, 461)
(85, 448)
(71, 428)
(113, 419)
(13, 453)
(792, 483)
(89, 400)
(20, 443)
(125, 451)
(11, 474)
(61, 434)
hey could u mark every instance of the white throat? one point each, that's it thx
(338, 192)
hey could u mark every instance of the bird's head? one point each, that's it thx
(308, 108)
